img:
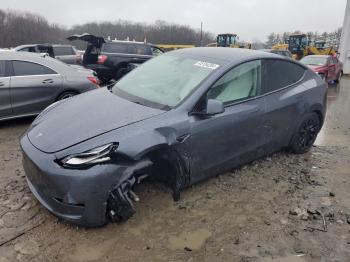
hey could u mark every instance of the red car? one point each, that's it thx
(327, 66)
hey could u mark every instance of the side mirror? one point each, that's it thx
(213, 107)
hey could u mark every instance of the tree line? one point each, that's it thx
(17, 28)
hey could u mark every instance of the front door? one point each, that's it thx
(33, 87)
(5, 101)
(236, 136)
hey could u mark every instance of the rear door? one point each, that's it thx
(332, 70)
(5, 101)
(337, 67)
(33, 87)
(65, 53)
(284, 94)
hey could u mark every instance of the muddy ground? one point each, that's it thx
(281, 208)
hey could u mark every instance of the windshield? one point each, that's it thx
(297, 41)
(163, 81)
(313, 60)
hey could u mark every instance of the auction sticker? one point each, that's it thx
(206, 65)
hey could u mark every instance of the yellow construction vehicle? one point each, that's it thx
(229, 40)
(299, 45)
(320, 48)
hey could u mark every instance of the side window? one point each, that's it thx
(63, 50)
(277, 74)
(2, 68)
(23, 68)
(25, 49)
(239, 83)
(115, 48)
(139, 49)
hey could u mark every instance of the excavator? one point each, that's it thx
(229, 40)
(299, 45)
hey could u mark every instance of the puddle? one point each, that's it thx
(84, 253)
(193, 239)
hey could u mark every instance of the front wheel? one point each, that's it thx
(306, 134)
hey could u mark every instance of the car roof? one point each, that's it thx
(127, 42)
(30, 45)
(225, 55)
(36, 58)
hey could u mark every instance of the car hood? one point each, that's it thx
(85, 116)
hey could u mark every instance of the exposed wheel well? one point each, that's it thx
(320, 116)
(168, 168)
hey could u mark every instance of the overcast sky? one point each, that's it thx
(250, 19)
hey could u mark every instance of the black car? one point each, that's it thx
(113, 59)
(282, 52)
(65, 53)
(180, 118)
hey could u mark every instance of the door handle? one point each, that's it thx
(47, 81)
(2, 84)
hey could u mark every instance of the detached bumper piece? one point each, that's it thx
(120, 201)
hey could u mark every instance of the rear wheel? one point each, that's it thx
(339, 77)
(66, 95)
(306, 134)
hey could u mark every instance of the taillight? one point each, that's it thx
(93, 80)
(101, 59)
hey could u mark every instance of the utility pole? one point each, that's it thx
(201, 40)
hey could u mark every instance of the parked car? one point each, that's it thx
(66, 53)
(328, 67)
(281, 52)
(111, 59)
(29, 83)
(181, 117)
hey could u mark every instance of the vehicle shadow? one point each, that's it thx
(17, 122)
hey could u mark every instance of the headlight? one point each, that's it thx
(94, 156)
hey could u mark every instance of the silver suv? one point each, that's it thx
(65, 53)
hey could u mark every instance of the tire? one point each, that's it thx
(306, 134)
(66, 95)
(324, 77)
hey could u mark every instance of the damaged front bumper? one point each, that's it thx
(76, 196)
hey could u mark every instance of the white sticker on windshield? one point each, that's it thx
(206, 65)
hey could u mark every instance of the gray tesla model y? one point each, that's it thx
(179, 118)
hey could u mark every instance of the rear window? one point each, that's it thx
(115, 48)
(23, 68)
(63, 50)
(278, 74)
(140, 50)
(2, 68)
